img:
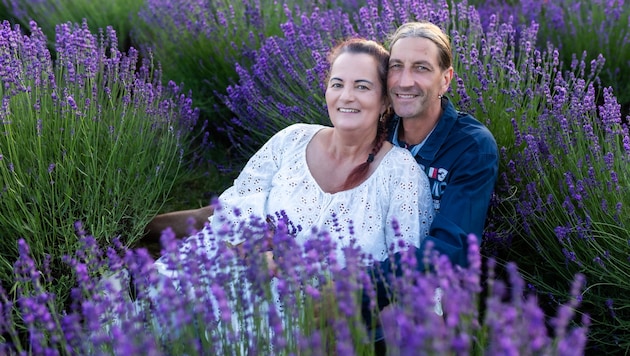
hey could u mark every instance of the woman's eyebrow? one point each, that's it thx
(356, 81)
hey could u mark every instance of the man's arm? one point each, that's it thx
(463, 209)
(182, 222)
(464, 206)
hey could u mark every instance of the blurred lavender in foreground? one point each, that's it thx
(136, 310)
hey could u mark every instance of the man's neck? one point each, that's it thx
(414, 130)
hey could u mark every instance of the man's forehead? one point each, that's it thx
(415, 49)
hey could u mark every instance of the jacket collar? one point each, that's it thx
(439, 134)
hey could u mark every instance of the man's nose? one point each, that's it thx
(406, 78)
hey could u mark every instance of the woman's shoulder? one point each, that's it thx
(292, 138)
(399, 157)
(303, 127)
(300, 131)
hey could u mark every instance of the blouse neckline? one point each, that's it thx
(310, 175)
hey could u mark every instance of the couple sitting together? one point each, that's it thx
(397, 151)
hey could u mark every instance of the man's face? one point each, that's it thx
(415, 79)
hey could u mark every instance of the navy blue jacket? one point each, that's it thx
(460, 157)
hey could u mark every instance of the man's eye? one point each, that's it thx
(394, 65)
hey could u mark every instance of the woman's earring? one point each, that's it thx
(439, 96)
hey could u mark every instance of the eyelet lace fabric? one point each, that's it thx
(277, 178)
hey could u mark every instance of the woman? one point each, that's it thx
(332, 177)
(348, 170)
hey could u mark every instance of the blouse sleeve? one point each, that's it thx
(411, 205)
(248, 195)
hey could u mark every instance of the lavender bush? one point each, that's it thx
(320, 315)
(93, 134)
(589, 29)
(569, 186)
(579, 29)
(119, 14)
(198, 42)
(560, 198)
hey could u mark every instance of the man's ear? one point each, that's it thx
(447, 76)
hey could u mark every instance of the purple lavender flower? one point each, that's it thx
(410, 324)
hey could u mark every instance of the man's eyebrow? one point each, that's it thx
(420, 61)
(423, 62)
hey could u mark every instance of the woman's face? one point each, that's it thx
(354, 95)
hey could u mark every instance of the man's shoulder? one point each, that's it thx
(469, 124)
(470, 128)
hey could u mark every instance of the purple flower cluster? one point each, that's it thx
(594, 28)
(122, 305)
(72, 82)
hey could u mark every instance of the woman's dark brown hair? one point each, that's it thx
(381, 55)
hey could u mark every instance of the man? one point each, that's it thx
(457, 152)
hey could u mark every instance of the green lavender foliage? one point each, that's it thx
(119, 14)
(92, 136)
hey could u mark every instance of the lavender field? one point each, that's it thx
(115, 111)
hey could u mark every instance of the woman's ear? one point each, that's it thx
(385, 115)
(386, 107)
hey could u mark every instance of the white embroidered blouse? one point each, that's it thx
(277, 178)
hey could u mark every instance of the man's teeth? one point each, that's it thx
(348, 110)
(406, 96)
